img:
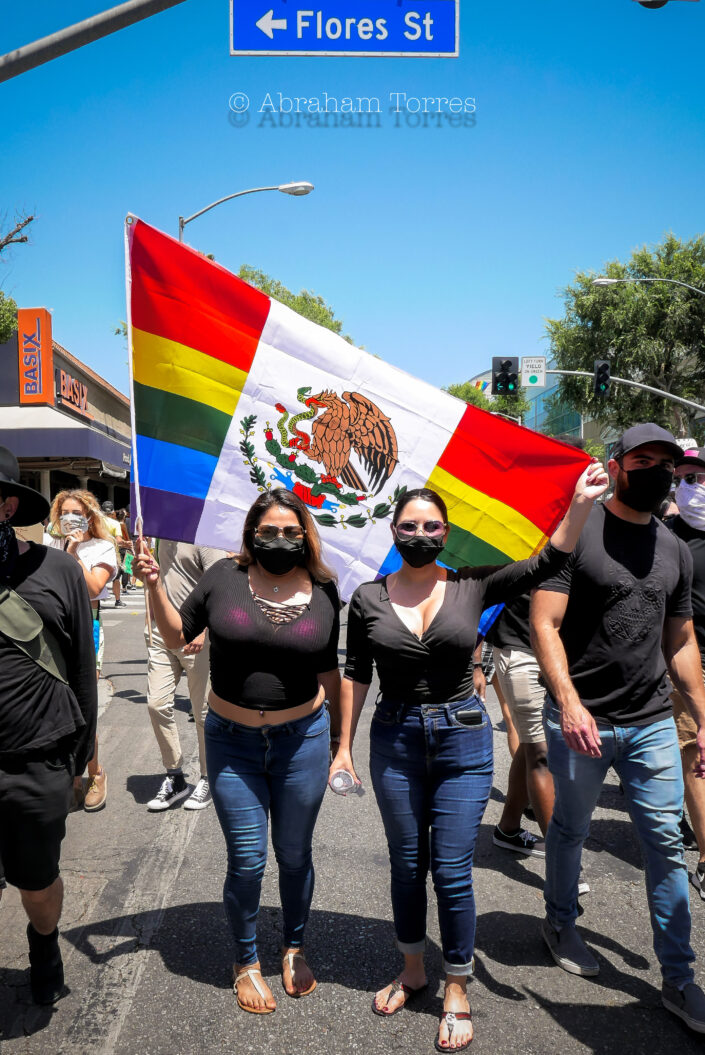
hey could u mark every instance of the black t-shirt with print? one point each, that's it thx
(623, 580)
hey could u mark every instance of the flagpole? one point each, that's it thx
(137, 521)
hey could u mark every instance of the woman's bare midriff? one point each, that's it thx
(247, 716)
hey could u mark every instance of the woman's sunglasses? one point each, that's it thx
(408, 529)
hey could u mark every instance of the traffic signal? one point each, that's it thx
(505, 376)
(602, 377)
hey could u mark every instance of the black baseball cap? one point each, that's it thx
(694, 456)
(640, 435)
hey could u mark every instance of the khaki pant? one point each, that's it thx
(518, 675)
(164, 669)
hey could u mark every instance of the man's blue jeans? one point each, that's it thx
(429, 771)
(647, 761)
(280, 770)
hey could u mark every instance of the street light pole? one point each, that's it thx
(601, 281)
(294, 189)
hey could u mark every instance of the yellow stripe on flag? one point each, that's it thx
(172, 367)
(487, 518)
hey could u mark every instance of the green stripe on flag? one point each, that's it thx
(464, 549)
(175, 419)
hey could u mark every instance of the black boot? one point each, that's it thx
(46, 968)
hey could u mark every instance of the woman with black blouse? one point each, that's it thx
(431, 738)
(273, 618)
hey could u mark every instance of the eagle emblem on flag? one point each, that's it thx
(340, 427)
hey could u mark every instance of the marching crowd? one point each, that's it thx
(598, 657)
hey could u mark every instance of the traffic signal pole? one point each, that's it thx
(633, 384)
(101, 25)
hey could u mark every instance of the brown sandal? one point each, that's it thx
(251, 973)
(397, 987)
(289, 958)
(451, 1018)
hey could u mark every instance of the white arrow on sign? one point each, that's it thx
(268, 24)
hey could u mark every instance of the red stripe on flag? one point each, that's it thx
(179, 294)
(528, 471)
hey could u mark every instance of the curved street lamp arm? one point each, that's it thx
(237, 194)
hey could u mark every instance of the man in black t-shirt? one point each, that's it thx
(47, 720)
(605, 630)
(689, 526)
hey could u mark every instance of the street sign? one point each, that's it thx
(533, 371)
(429, 28)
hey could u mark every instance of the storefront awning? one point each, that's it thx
(43, 432)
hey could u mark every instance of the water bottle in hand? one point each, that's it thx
(343, 782)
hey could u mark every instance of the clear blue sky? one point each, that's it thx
(437, 247)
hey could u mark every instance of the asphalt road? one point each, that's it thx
(148, 956)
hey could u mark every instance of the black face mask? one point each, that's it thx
(9, 549)
(278, 556)
(645, 489)
(419, 550)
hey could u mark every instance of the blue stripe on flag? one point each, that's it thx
(179, 470)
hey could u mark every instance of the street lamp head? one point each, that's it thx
(296, 188)
(606, 281)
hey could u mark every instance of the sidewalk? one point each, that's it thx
(148, 956)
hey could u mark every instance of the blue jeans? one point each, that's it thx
(277, 769)
(647, 760)
(429, 771)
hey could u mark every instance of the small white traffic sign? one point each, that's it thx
(533, 371)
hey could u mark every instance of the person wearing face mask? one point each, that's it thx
(606, 630)
(689, 525)
(431, 737)
(273, 619)
(78, 527)
(48, 710)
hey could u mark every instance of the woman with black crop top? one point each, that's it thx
(273, 618)
(431, 738)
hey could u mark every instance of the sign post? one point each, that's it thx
(428, 29)
(533, 371)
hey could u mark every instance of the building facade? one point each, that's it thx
(66, 425)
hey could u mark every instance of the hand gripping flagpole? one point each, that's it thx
(138, 521)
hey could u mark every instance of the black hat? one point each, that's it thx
(108, 507)
(693, 456)
(33, 507)
(640, 435)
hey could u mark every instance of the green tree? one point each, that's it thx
(306, 303)
(650, 332)
(8, 317)
(514, 406)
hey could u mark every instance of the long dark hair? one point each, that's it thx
(426, 495)
(279, 496)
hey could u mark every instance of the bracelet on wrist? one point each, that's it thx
(477, 664)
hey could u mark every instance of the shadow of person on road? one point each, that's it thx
(179, 932)
(19, 1015)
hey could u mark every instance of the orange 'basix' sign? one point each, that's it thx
(36, 358)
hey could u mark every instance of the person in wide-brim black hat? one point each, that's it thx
(48, 713)
(33, 507)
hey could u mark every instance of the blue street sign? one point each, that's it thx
(398, 28)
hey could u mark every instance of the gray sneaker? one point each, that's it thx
(569, 951)
(687, 1003)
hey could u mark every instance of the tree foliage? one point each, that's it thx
(513, 406)
(310, 305)
(653, 333)
(8, 317)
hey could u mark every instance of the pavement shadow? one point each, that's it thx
(19, 1016)
(131, 695)
(194, 941)
(143, 788)
(615, 837)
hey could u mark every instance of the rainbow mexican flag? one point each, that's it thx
(233, 393)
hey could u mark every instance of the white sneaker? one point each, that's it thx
(200, 798)
(173, 790)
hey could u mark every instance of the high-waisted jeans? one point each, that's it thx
(280, 770)
(430, 772)
(647, 760)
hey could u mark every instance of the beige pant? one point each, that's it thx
(518, 675)
(164, 669)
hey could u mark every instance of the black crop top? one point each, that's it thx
(256, 663)
(437, 667)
